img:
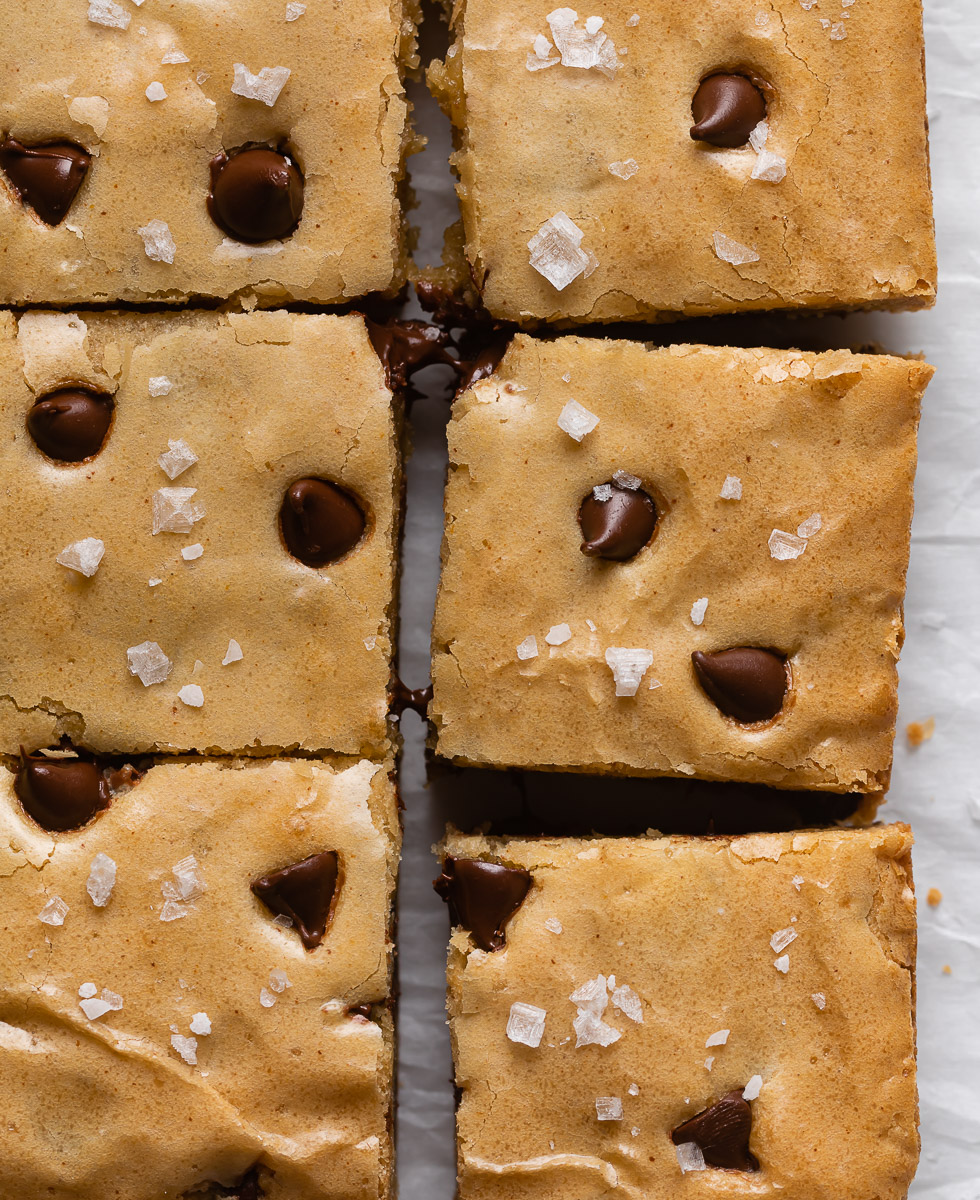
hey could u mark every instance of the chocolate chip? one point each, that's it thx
(745, 682)
(46, 177)
(320, 522)
(726, 109)
(617, 528)
(70, 425)
(482, 897)
(362, 1011)
(61, 793)
(256, 194)
(305, 893)
(722, 1131)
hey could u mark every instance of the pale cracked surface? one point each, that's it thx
(849, 227)
(106, 1108)
(342, 112)
(681, 419)
(262, 400)
(687, 923)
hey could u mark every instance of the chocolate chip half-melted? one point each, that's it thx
(304, 892)
(722, 1131)
(745, 682)
(45, 177)
(320, 522)
(256, 194)
(726, 109)
(60, 794)
(405, 347)
(617, 528)
(482, 897)
(70, 425)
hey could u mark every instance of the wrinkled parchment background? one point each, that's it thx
(936, 788)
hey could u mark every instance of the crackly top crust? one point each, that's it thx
(342, 112)
(849, 227)
(262, 400)
(681, 419)
(107, 1108)
(686, 923)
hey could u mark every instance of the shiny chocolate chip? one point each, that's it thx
(482, 897)
(46, 177)
(745, 682)
(320, 522)
(256, 194)
(70, 425)
(60, 794)
(726, 109)
(619, 526)
(722, 1131)
(304, 892)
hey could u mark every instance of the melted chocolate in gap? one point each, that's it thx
(405, 347)
(416, 699)
(483, 365)
(482, 897)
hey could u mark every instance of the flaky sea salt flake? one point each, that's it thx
(626, 480)
(190, 553)
(784, 547)
(603, 492)
(576, 420)
(87, 991)
(812, 525)
(628, 1003)
(158, 241)
(608, 1108)
(156, 91)
(628, 665)
(557, 254)
(279, 981)
(101, 879)
(730, 251)
(553, 925)
(94, 1008)
(752, 1088)
(718, 1039)
(178, 459)
(201, 1024)
(113, 999)
(175, 510)
(54, 912)
(782, 964)
(191, 695)
(586, 48)
(690, 1157)
(782, 938)
(189, 881)
(174, 56)
(525, 1024)
(528, 648)
(83, 556)
(731, 489)
(820, 1000)
(769, 167)
(159, 385)
(233, 654)
(294, 11)
(105, 12)
(558, 635)
(709, 1062)
(698, 609)
(186, 1047)
(591, 1030)
(265, 86)
(149, 663)
(174, 911)
(624, 168)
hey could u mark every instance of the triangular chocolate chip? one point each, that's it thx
(482, 897)
(722, 1132)
(45, 177)
(305, 893)
(745, 682)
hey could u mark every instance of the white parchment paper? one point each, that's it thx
(936, 788)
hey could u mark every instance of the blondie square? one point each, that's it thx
(191, 150)
(706, 1017)
(686, 561)
(674, 159)
(198, 530)
(195, 981)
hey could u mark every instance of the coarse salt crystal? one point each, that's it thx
(189, 553)
(201, 1023)
(83, 556)
(294, 11)
(633, 20)
(173, 911)
(189, 881)
(265, 86)
(769, 167)
(752, 1088)
(784, 547)
(798, 881)
(731, 489)
(628, 1003)
(105, 12)
(174, 56)
(838, 31)
(718, 1039)
(807, 528)
(279, 981)
(709, 1062)
(698, 609)
(820, 1000)
(154, 582)
(94, 1008)
(528, 648)
(175, 510)
(557, 254)
(730, 251)
(525, 1024)
(177, 459)
(159, 385)
(156, 91)
(191, 695)
(576, 420)
(608, 1108)
(558, 635)
(625, 480)
(149, 663)
(603, 492)
(87, 991)
(583, 48)
(782, 938)
(591, 1030)
(54, 912)
(186, 1047)
(628, 665)
(266, 998)
(690, 1157)
(158, 241)
(541, 58)
(101, 879)
(233, 654)
(113, 999)
(553, 925)
(782, 964)
(625, 168)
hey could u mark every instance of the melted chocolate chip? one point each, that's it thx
(256, 194)
(405, 347)
(47, 177)
(320, 522)
(482, 897)
(726, 109)
(61, 793)
(305, 893)
(484, 365)
(617, 528)
(70, 425)
(722, 1131)
(745, 682)
(416, 699)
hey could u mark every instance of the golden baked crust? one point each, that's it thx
(686, 923)
(109, 1108)
(833, 434)
(263, 400)
(343, 112)
(850, 226)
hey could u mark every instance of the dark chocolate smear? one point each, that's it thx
(305, 893)
(45, 177)
(722, 1131)
(482, 897)
(745, 682)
